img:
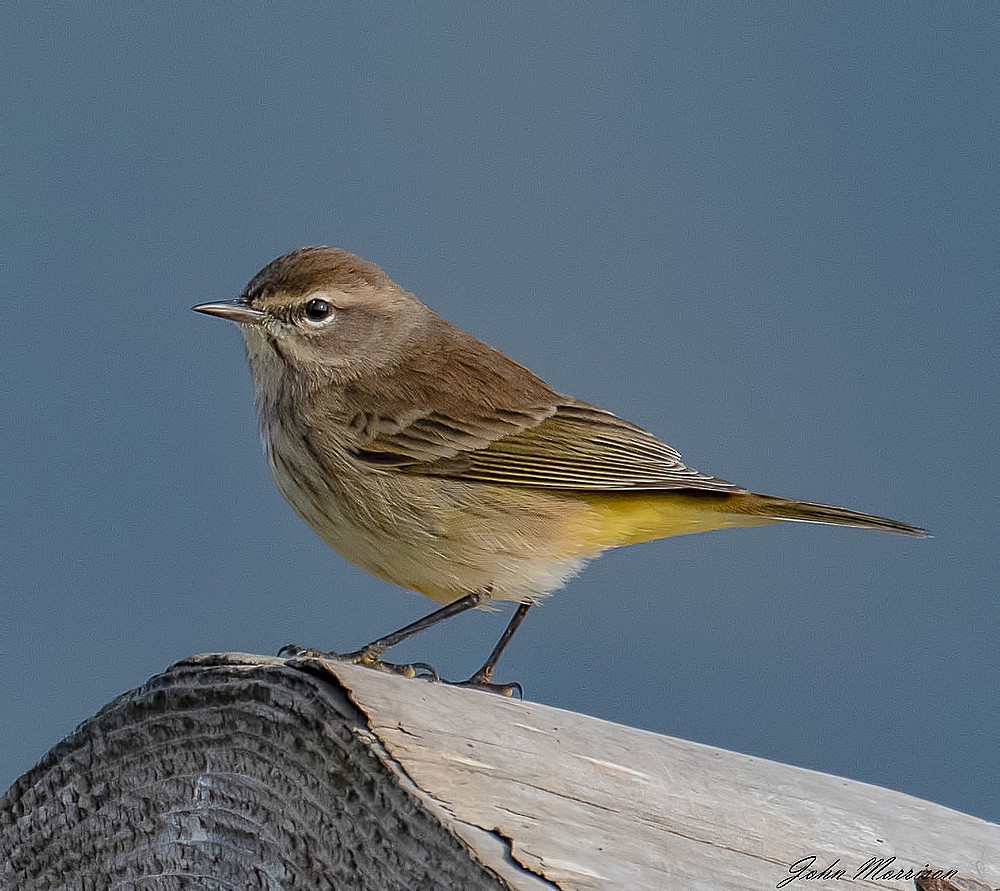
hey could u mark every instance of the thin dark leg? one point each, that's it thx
(484, 677)
(370, 653)
(486, 672)
(377, 647)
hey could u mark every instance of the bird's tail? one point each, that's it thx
(774, 508)
(623, 518)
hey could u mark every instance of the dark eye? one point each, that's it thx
(318, 310)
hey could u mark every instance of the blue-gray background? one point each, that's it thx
(769, 236)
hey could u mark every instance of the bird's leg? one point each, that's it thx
(483, 679)
(370, 654)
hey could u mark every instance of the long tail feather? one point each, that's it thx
(776, 508)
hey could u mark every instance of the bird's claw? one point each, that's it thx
(363, 657)
(481, 682)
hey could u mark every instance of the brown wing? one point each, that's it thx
(466, 411)
(565, 446)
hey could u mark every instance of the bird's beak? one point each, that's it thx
(234, 310)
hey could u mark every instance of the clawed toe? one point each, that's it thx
(479, 682)
(363, 657)
(406, 669)
(292, 651)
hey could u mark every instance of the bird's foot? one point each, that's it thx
(366, 657)
(483, 680)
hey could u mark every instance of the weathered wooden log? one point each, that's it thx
(235, 771)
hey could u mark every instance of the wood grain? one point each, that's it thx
(235, 771)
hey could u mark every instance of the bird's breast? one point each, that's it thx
(441, 537)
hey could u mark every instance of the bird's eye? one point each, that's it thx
(318, 310)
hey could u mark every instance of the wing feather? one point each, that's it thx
(565, 446)
(466, 411)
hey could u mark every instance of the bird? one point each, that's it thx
(434, 461)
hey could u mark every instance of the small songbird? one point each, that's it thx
(432, 460)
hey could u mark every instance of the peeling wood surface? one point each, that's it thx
(590, 804)
(235, 771)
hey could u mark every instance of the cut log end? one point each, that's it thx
(252, 772)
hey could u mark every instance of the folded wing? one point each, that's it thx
(571, 445)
